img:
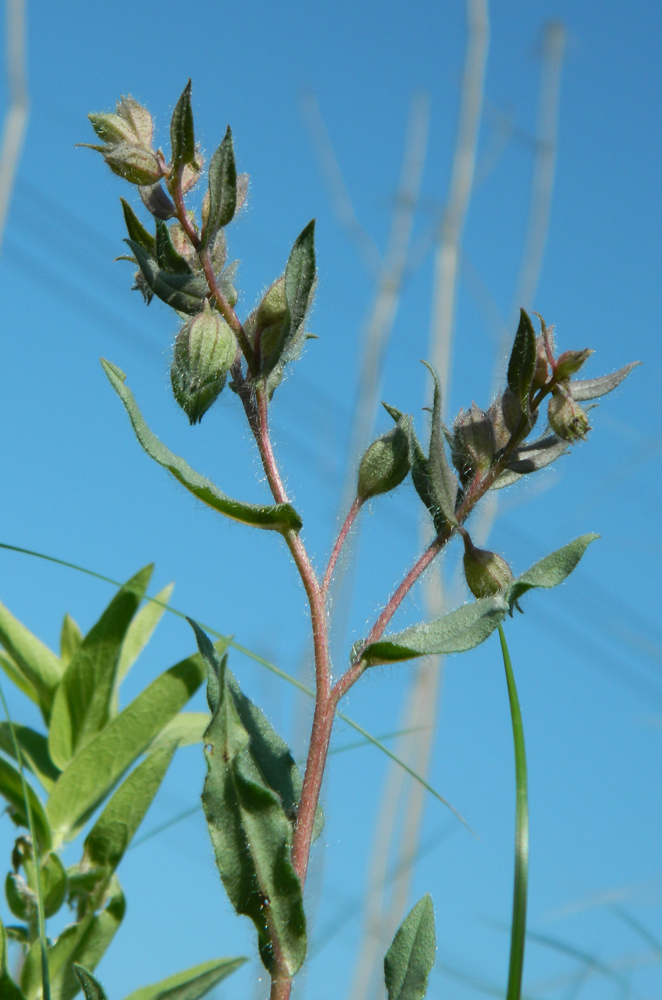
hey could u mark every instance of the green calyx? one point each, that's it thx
(386, 462)
(486, 573)
(205, 349)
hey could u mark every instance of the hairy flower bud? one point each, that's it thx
(567, 418)
(134, 163)
(473, 444)
(541, 373)
(386, 462)
(570, 362)
(487, 574)
(269, 323)
(205, 349)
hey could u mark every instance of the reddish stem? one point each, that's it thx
(340, 541)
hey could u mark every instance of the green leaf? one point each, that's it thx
(92, 989)
(167, 257)
(17, 678)
(185, 729)
(97, 768)
(222, 189)
(53, 884)
(522, 364)
(191, 984)
(34, 751)
(551, 570)
(136, 230)
(531, 457)
(36, 662)
(182, 138)
(300, 276)
(138, 635)
(11, 788)
(592, 388)
(279, 517)
(411, 956)
(81, 707)
(250, 831)
(70, 639)
(455, 632)
(442, 481)
(184, 292)
(8, 988)
(112, 833)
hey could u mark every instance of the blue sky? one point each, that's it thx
(76, 485)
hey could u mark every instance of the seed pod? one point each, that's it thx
(487, 574)
(205, 349)
(386, 462)
(473, 442)
(567, 418)
(133, 162)
(271, 320)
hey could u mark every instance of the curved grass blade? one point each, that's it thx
(257, 659)
(518, 929)
(279, 517)
(45, 977)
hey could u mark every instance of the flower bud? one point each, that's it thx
(385, 463)
(205, 349)
(567, 418)
(473, 441)
(134, 163)
(487, 574)
(270, 322)
(570, 362)
(541, 373)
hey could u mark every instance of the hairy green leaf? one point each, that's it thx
(11, 788)
(96, 769)
(186, 728)
(278, 517)
(442, 481)
(36, 662)
(411, 956)
(70, 639)
(300, 276)
(82, 703)
(592, 388)
(138, 635)
(184, 292)
(522, 364)
(136, 230)
(250, 829)
(222, 189)
(114, 830)
(191, 984)
(167, 257)
(553, 569)
(34, 751)
(182, 138)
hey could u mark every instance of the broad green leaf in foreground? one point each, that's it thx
(92, 988)
(411, 956)
(96, 769)
(36, 662)
(191, 984)
(473, 623)
(249, 828)
(222, 189)
(81, 707)
(278, 517)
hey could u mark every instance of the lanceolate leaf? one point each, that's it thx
(34, 751)
(592, 388)
(191, 984)
(300, 276)
(222, 189)
(410, 958)
(186, 728)
(139, 633)
(553, 569)
(251, 832)
(70, 639)
(522, 364)
(165, 253)
(92, 988)
(442, 482)
(537, 454)
(136, 230)
(112, 833)
(182, 138)
(82, 702)
(38, 664)
(184, 292)
(96, 769)
(11, 788)
(279, 517)
(474, 622)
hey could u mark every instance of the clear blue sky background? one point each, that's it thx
(77, 486)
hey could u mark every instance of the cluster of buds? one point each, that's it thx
(184, 263)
